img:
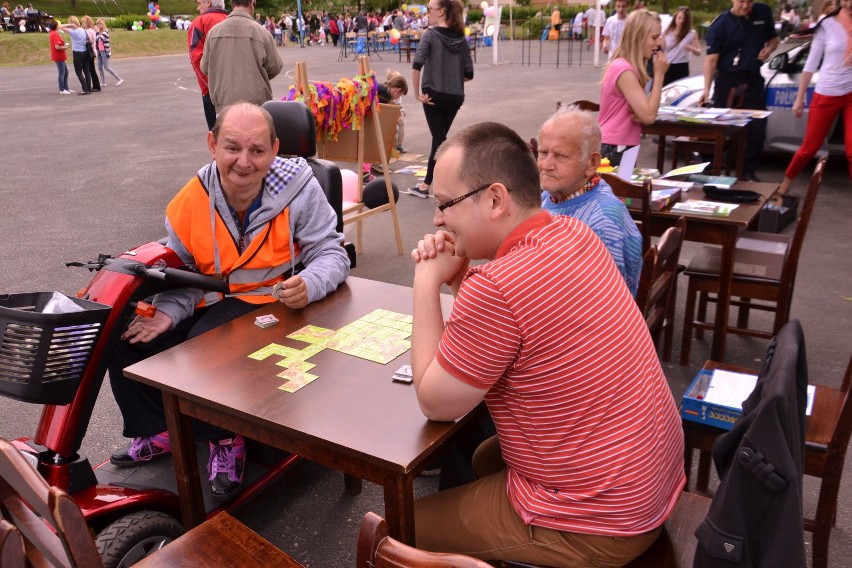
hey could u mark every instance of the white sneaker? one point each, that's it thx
(70, 91)
(64, 92)
(120, 81)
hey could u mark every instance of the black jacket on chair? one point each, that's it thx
(755, 519)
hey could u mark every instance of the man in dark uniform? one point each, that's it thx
(738, 42)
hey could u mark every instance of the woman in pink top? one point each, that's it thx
(625, 106)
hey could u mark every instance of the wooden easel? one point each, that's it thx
(366, 144)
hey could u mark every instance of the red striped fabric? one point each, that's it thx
(587, 422)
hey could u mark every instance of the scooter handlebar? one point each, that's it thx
(192, 279)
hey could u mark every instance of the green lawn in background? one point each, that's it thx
(18, 50)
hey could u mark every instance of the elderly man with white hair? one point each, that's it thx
(569, 153)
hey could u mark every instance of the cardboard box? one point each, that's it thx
(773, 219)
(345, 148)
(699, 410)
(761, 254)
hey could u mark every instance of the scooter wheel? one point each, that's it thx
(131, 538)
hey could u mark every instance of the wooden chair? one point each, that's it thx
(827, 433)
(775, 293)
(408, 44)
(377, 550)
(675, 547)
(473, 41)
(825, 453)
(587, 106)
(56, 533)
(628, 192)
(11, 545)
(658, 285)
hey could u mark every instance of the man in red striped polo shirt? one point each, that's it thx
(588, 458)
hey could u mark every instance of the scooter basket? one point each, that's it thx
(43, 356)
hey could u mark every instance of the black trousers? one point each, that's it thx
(141, 405)
(81, 69)
(90, 61)
(748, 88)
(209, 111)
(439, 118)
(675, 72)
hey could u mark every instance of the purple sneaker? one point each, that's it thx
(143, 450)
(225, 468)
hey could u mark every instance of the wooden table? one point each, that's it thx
(353, 418)
(717, 132)
(818, 427)
(722, 231)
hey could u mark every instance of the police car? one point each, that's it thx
(784, 132)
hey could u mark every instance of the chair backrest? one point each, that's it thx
(646, 279)
(628, 192)
(296, 129)
(377, 550)
(588, 106)
(11, 545)
(843, 430)
(48, 519)
(659, 277)
(791, 262)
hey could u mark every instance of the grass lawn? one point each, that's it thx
(17, 50)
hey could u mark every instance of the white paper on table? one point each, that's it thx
(628, 162)
(730, 389)
(712, 112)
(686, 170)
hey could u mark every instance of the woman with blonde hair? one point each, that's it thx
(92, 35)
(103, 50)
(79, 53)
(625, 106)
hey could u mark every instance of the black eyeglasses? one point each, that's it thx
(443, 206)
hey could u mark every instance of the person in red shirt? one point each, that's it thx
(587, 462)
(58, 56)
(212, 12)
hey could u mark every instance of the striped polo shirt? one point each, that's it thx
(587, 423)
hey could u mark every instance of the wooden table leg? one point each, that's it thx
(353, 484)
(741, 146)
(185, 462)
(661, 152)
(688, 448)
(718, 153)
(702, 480)
(399, 508)
(723, 302)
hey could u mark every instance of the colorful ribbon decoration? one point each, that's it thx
(341, 107)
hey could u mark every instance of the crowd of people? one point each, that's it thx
(327, 28)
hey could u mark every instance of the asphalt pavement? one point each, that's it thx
(89, 175)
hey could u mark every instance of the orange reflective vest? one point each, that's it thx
(250, 273)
